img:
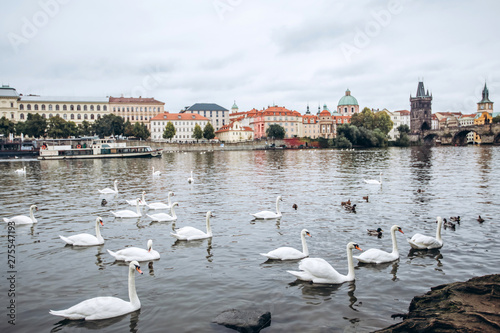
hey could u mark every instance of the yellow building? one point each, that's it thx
(136, 110)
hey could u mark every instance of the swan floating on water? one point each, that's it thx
(376, 256)
(23, 219)
(289, 253)
(161, 205)
(162, 217)
(126, 213)
(190, 233)
(156, 173)
(422, 242)
(191, 179)
(108, 190)
(136, 253)
(21, 171)
(374, 181)
(105, 307)
(318, 270)
(265, 215)
(86, 239)
(134, 201)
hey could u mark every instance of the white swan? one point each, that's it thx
(108, 190)
(318, 270)
(21, 171)
(374, 181)
(23, 219)
(129, 213)
(191, 179)
(190, 233)
(162, 217)
(86, 239)
(156, 173)
(289, 253)
(134, 202)
(422, 242)
(105, 307)
(264, 215)
(136, 253)
(376, 256)
(161, 205)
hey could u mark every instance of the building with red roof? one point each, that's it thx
(136, 109)
(234, 132)
(184, 124)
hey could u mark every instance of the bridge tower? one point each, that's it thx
(421, 110)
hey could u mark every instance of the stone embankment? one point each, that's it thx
(471, 306)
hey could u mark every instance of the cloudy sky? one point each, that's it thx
(286, 52)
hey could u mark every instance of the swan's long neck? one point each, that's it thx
(138, 208)
(278, 206)
(172, 211)
(31, 214)
(438, 230)
(394, 242)
(132, 293)
(209, 229)
(305, 250)
(116, 187)
(97, 230)
(350, 264)
(380, 177)
(169, 200)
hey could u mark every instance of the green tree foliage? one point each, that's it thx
(128, 129)
(208, 131)
(141, 131)
(35, 126)
(60, 128)
(383, 122)
(348, 131)
(403, 140)
(20, 127)
(275, 131)
(343, 143)
(496, 119)
(6, 126)
(197, 132)
(85, 128)
(371, 121)
(109, 125)
(360, 136)
(169, 131)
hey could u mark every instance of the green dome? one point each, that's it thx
(348, 99)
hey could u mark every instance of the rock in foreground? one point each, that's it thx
(471, 306)
(244, 321)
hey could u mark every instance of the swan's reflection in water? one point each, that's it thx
(435, 254)
(63, 325)
(316, 294)
(377, 268)
(196, 243)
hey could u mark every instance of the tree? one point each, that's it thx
(109, 125)
(496, 119)
(403, 129)
(208, 131)
(128, 129)
(383, 122)
(7, 126)
(85, 128)
(371, 121)
(35, 125)
(275, 131)
(60, 128)
(169, 131)
(343, 143)
(20, 127)
(403, 140)
(349, 132)
(197, 132)
(141, 131)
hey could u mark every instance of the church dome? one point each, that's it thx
(348, 99)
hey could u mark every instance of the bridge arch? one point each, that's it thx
(460, 138)
(430, 139)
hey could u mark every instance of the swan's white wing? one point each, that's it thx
(419, 241)
(96, 308)
(321, 271)
(284, 253)
(266, 215)
(158, 205)
(189, 233)
(131, 253)
(376, 256)
(82, 240)
(125, 213)
(107, 191)
(161, 217)
(20, 219)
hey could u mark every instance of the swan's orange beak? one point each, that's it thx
(138, 269)
(101, 223)
(308, 234)
(401, 230)
(357, 247)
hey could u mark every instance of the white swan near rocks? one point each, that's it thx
(422, 242)
(86, 239)
(318, 270)
(105, 307)
(376, 256)
(289, 253)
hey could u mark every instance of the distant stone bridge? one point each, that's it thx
(457, 136)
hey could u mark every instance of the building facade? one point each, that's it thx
(234, 132)
(348, 105)
(136, 110)
(218, 115)
(421, 110)
(184, 124)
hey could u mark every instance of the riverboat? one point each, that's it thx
(93, 148)
(17, 148)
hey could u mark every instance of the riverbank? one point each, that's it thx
(471, 306)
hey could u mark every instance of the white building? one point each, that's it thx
(399, 117)
(184, 124)
(234, 132)
(218, 115)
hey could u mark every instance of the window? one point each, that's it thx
(91, 108)
(114, 108)
(50, 107)
(104, 108)
(72, 116)
(352, 110)
(65, 108)
(50, 115)
(21, 116)
(11, 104)
(91, 116)
(57, 107)
(36, 107)
(78, 108)
(79, 116)
(85, 116)
(28, 107)
(72, 107)
(98, 108)
(65, 116)
(345, 110)
(85, 108)
(43, 107)
(21, 107)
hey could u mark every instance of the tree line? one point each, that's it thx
(207, 132)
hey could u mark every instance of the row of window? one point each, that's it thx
(65, 116)
(64, 107)
(137, 109)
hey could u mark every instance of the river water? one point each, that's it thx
(193, 282)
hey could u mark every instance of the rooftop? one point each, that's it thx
(6, 91)
(179, 116)
(134, 100)
(206, 107)
(54, 99)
